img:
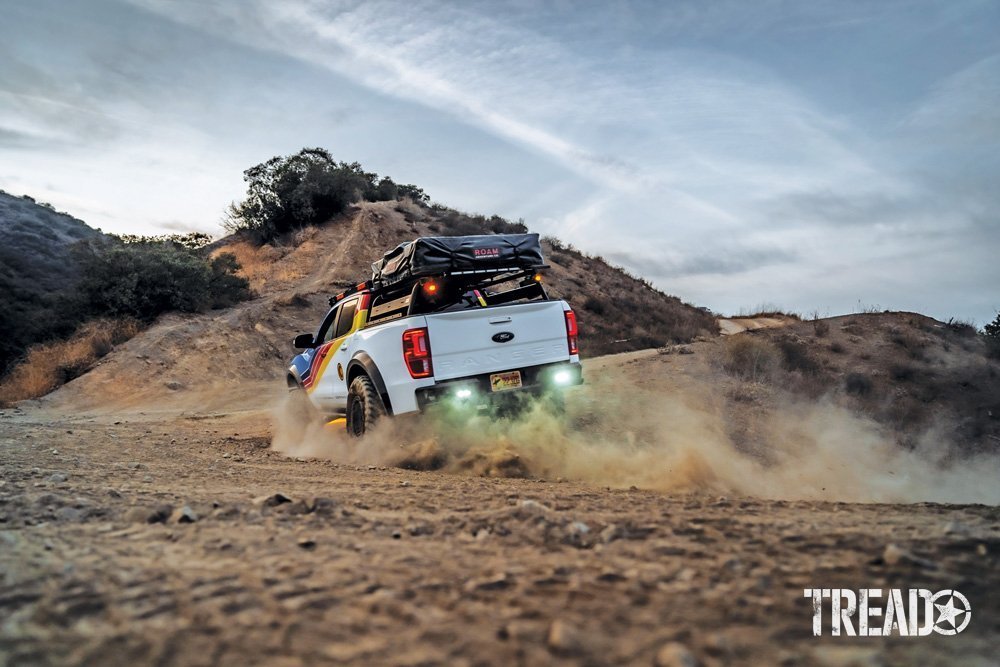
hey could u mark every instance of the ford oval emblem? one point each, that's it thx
(503, 337)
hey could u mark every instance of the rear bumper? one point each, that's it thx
(534, 380)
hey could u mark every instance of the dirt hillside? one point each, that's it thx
(223, 354)
(37, 272)
(927, 382)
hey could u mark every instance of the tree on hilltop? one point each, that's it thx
(991, 332)
(308, 188)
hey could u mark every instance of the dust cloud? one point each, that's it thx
(620, 436)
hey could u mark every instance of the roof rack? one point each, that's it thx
(499, 275)
(495, 257)
(411, 297)
(354, 289)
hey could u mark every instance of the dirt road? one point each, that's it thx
(184, 540)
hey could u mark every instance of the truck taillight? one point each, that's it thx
(417, 353)
(572, 332)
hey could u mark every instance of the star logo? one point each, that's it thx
(951, 618)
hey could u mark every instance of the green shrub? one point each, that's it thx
(796, 356)
(902, 372)
(413, 192)
(750, 358)
(385, 190)
(991, 332)
(457, 223)
(858, 384)
(308, 188)
(225, 288)
(963, 328)
(147, 278)
(191, 240)
(595, 305)
(287, 193)
(913, 346)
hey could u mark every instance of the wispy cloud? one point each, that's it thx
(627, 121)
(405, 51)
(727, 149)
(964, 107)
(723, 261)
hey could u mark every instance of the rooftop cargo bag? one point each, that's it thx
(435, 255)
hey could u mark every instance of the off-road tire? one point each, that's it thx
(364, 406)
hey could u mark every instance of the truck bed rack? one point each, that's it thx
(435, 255)
(459, 262)
(469, 289)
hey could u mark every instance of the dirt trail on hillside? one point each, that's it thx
(333, 261)
(734, 325)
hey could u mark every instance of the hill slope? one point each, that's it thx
(223, 350)
(919, 378)
(36, 271)
(924, 380)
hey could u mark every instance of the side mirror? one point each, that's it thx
(303, 341)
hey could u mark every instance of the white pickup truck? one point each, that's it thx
(463, 321)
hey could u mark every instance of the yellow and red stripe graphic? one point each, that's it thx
(324, 353)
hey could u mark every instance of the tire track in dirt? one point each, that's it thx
(371, 565)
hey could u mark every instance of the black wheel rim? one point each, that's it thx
(357, 418)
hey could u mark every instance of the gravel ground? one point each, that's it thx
(159, 539)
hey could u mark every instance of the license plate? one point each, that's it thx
(504, 381)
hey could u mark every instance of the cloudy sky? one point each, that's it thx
(818, 156)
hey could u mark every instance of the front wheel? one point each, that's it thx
(364, 406)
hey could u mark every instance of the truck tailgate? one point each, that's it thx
(475, 341)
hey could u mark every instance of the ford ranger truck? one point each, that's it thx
(462, 321)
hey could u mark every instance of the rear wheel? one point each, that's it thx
(364, 406)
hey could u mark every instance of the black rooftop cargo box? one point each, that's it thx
(434, 255)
